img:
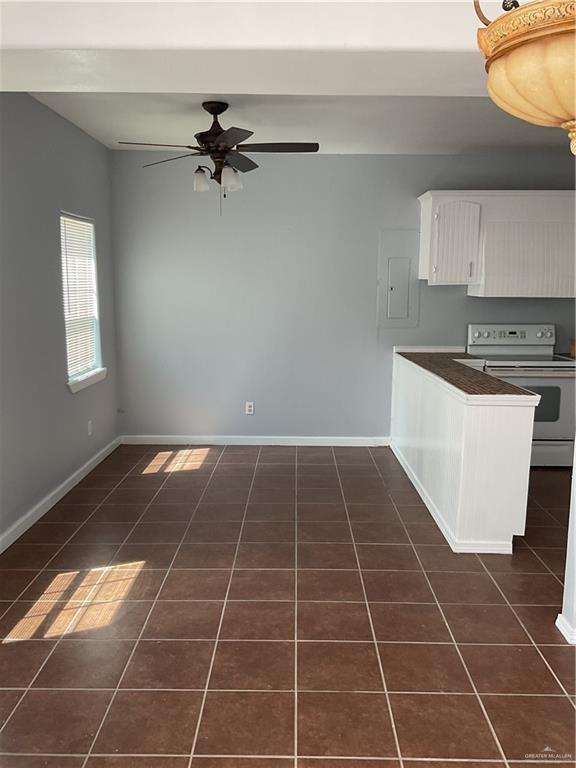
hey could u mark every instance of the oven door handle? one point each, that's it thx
(532, 373)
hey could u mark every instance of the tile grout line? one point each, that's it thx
(529, 546)
(222, 613)
(438, 605)
(323, 570)
(372, 692)
(548, 569)
(311, 641)
(153, 602)
(338, 758)
(363, 758)
(165, 755)
(369, 612)
(280, 541)
(77, 608)
(296, 608)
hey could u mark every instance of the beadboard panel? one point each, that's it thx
(469, 457)
(528, 258)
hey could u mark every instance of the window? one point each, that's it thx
(80, 292)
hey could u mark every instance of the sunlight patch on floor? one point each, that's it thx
(185, 460)
(55, 613)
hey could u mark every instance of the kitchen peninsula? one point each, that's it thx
(464, 438)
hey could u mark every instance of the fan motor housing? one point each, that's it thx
(215, 107)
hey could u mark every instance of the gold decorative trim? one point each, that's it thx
(570, 127)
(544, 17)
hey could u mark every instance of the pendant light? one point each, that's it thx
(531, 62)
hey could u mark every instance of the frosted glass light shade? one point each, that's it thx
(531, 63)
(236, 185)
(200, 181)
(229, 179)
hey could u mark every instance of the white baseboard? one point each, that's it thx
(33, 515)
(566, 628)
(479, 547)
(251, 440)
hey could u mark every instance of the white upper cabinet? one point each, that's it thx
(449, 238)
(499, 243)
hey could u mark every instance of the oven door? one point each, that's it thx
(555, 415)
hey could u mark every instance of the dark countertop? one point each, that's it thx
(467, 380)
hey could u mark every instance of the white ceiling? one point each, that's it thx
(412, 47)
(377, 76)
(342, 125)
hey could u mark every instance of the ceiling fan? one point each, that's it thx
(225, 148)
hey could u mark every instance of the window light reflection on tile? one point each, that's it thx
(49, 618)
(185, 460)
(43, 612)
(97, 616)
(189, 460)
(68, 586)
(117, 583)
(155, 464)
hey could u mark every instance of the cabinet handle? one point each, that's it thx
(435, 268)
(471, 269)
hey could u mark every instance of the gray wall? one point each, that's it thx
(275, 300)
(47, 165)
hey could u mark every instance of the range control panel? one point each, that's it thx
(510, 335)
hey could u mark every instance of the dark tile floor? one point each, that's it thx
(271, 607)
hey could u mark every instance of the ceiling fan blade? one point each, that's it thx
(297, 146)
(169, 159)
(146, 144)
(240, 162)
(232, 136)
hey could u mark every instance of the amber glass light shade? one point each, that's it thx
(531, 63)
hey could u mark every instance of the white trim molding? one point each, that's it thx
(566, 628)
(38, 510)
(252, 440)
(566, 621)
(75, 385)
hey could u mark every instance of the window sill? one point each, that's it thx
(75, 385)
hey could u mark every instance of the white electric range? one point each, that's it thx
(524, 355)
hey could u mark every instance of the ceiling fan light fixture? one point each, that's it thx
(200, 181)
(230, 180)
(224, 148)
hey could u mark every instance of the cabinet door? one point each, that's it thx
(455, 243)
(529, 258)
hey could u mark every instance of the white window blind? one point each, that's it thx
(80, 290)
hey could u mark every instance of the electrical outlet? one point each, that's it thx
(249, 410)
(90, 428)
